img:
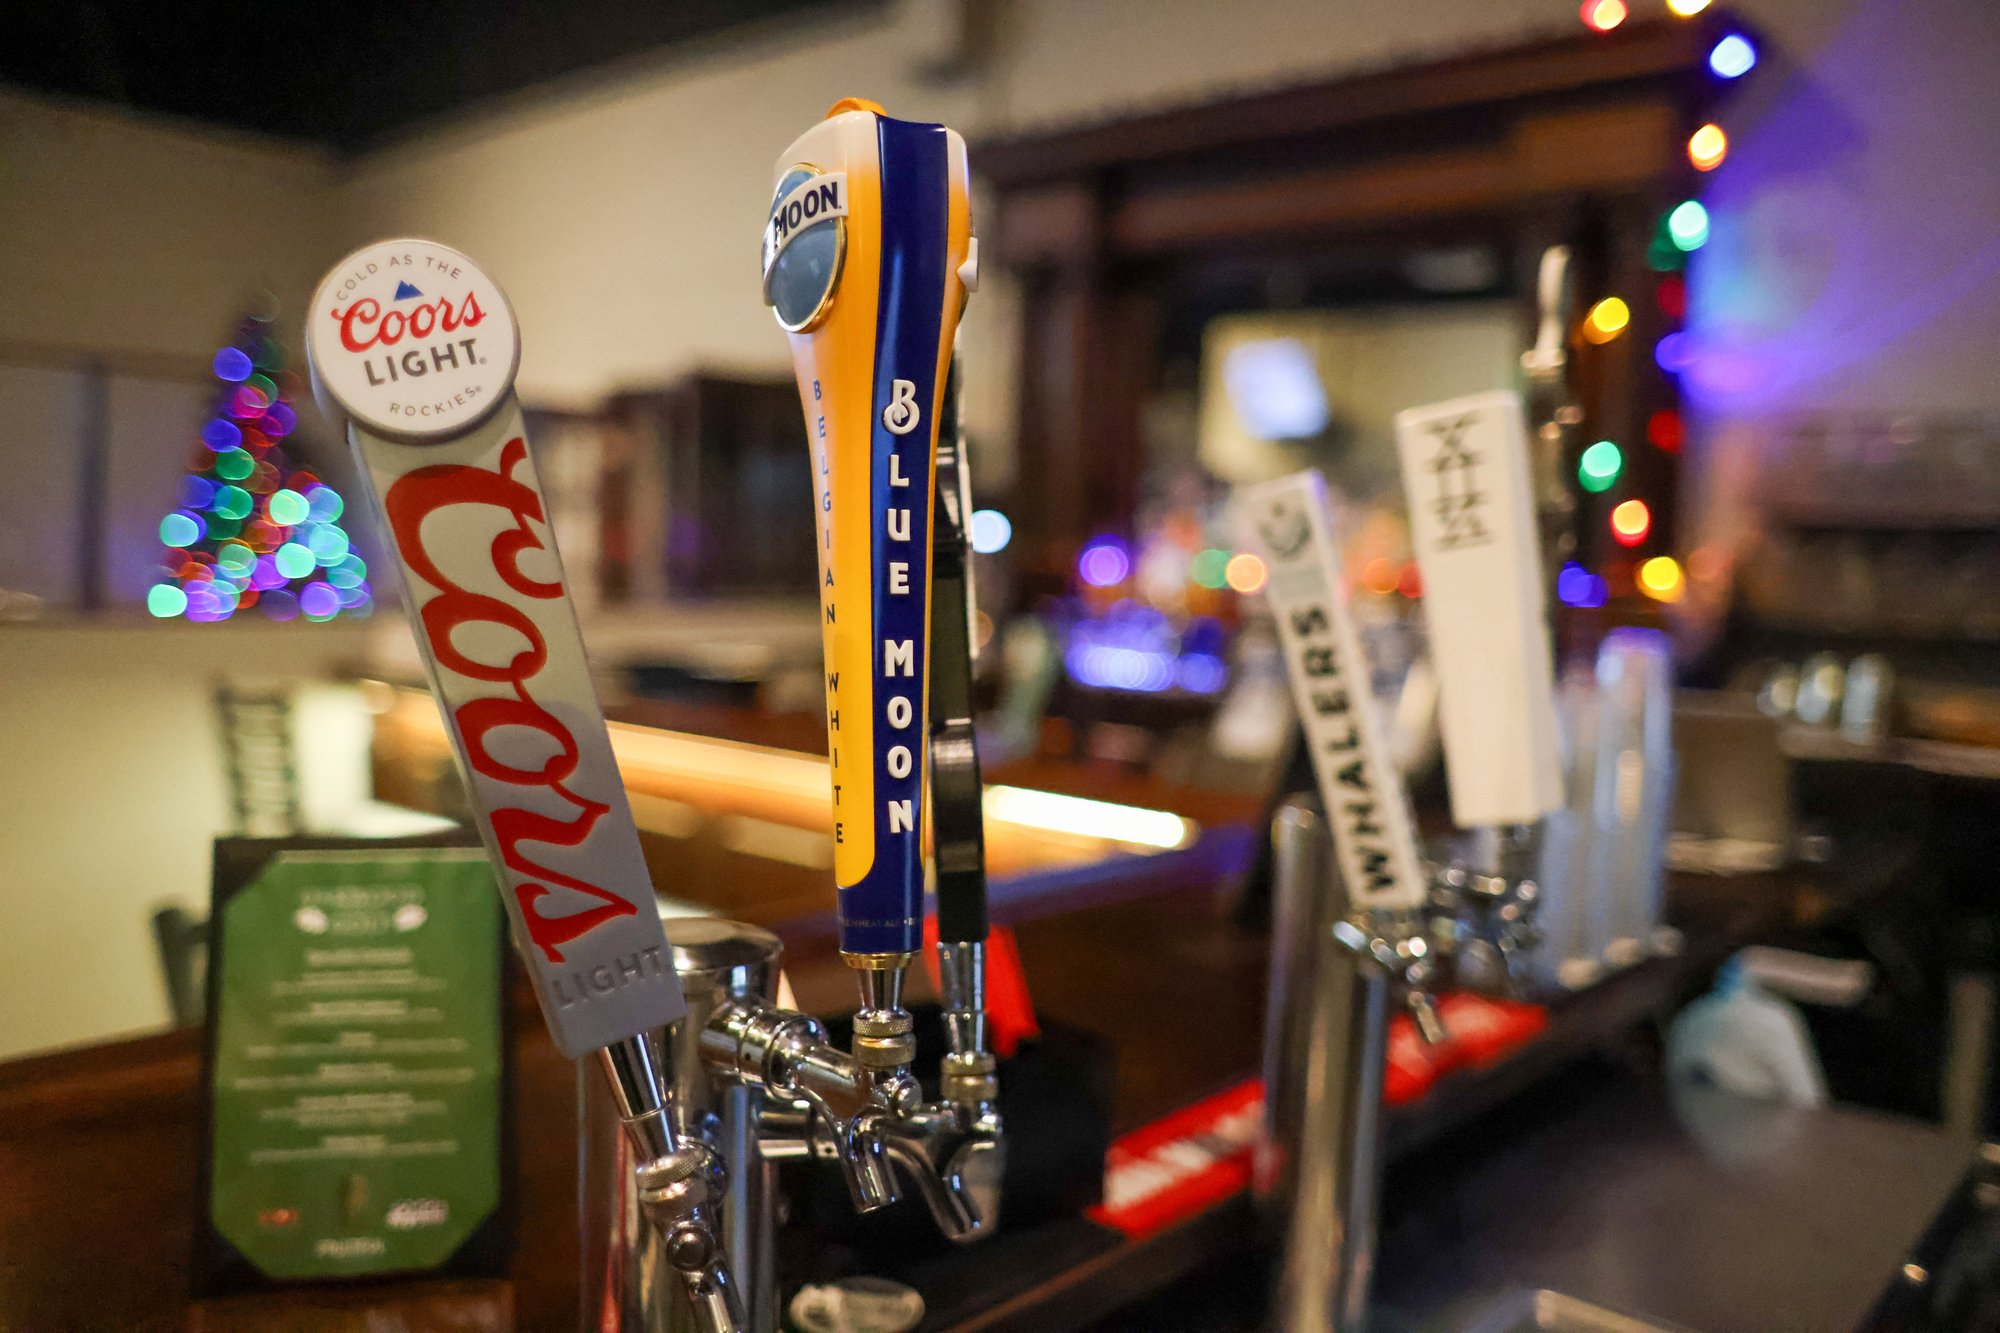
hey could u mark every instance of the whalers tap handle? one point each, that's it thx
(868, 255)
(1288, 523)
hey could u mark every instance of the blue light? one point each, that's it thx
(233, 365)
(1733, 57)
(1104, 563)
(1202, 673)
(1577, 586)
(1275, 387)
(990, 531)
(1675, 353)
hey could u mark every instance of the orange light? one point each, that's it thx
(1606, 320)
(1603, 15)
(1660, 579)
(1379, 576)
(1245, 573)
(1687, 8)
(1707, 147)
(1630, 522)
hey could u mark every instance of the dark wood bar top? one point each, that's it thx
(98, 1150)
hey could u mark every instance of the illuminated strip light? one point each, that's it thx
(643, 751)
(1079, 815)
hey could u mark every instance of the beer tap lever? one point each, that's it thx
(415, 348)
(868, 255)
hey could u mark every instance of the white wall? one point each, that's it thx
(623, 216)
(111, 791)
(132, 235)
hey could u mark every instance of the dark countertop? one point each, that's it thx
(1693, 1208)
(1689, 1206)
(97, 1156)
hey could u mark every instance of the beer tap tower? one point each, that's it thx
(415, 348)
(1361, 926)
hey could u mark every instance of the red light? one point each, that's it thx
(1411, 584)
(1672, 295)
(1603, 15)
(1664, 430)
(1630, 522)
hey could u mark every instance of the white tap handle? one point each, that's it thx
(1285, 521)
(1472, 522)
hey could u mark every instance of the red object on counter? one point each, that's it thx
(1182, 1163)
(1198, 1156)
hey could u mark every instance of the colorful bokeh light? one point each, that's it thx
(1733, 56)
(1707, 147)
(1245, 573)
(288, 507)
(1630, 522)
(1606, 320)
(1686, 8)
(233, 365)
(1105, 563)
(991, 531)
(1209, 569)
(1664, 430)
(180, 529)
(1687, 225)
(1599, 467)
(1660, 579)
(165, 600)
(1604, 15)
(251, 530)
(1577, 586)
(1675, 353)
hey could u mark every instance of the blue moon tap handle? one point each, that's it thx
(868, 256)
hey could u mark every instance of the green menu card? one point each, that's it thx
(355, 1063)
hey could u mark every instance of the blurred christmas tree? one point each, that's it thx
(251, 529)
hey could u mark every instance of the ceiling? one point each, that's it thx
(346, 74)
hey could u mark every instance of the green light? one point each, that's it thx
(1688, 225)
(179, 529)
(1208, 568)
(231, 502)
(327, 543)
(349, 573)
(234, 465)
(295, 561)
(235, 558)
(1599, 467)
(288, 507)
(165, 600)
(325, 502)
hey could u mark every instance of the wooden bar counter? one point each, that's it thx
(98, 1154)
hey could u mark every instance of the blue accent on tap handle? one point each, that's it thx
(883, 911)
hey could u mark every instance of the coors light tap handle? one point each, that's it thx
(868, 255)
(416, 348)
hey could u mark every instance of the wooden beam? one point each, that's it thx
(1614, 148)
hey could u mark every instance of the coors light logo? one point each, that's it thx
(411, 340)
